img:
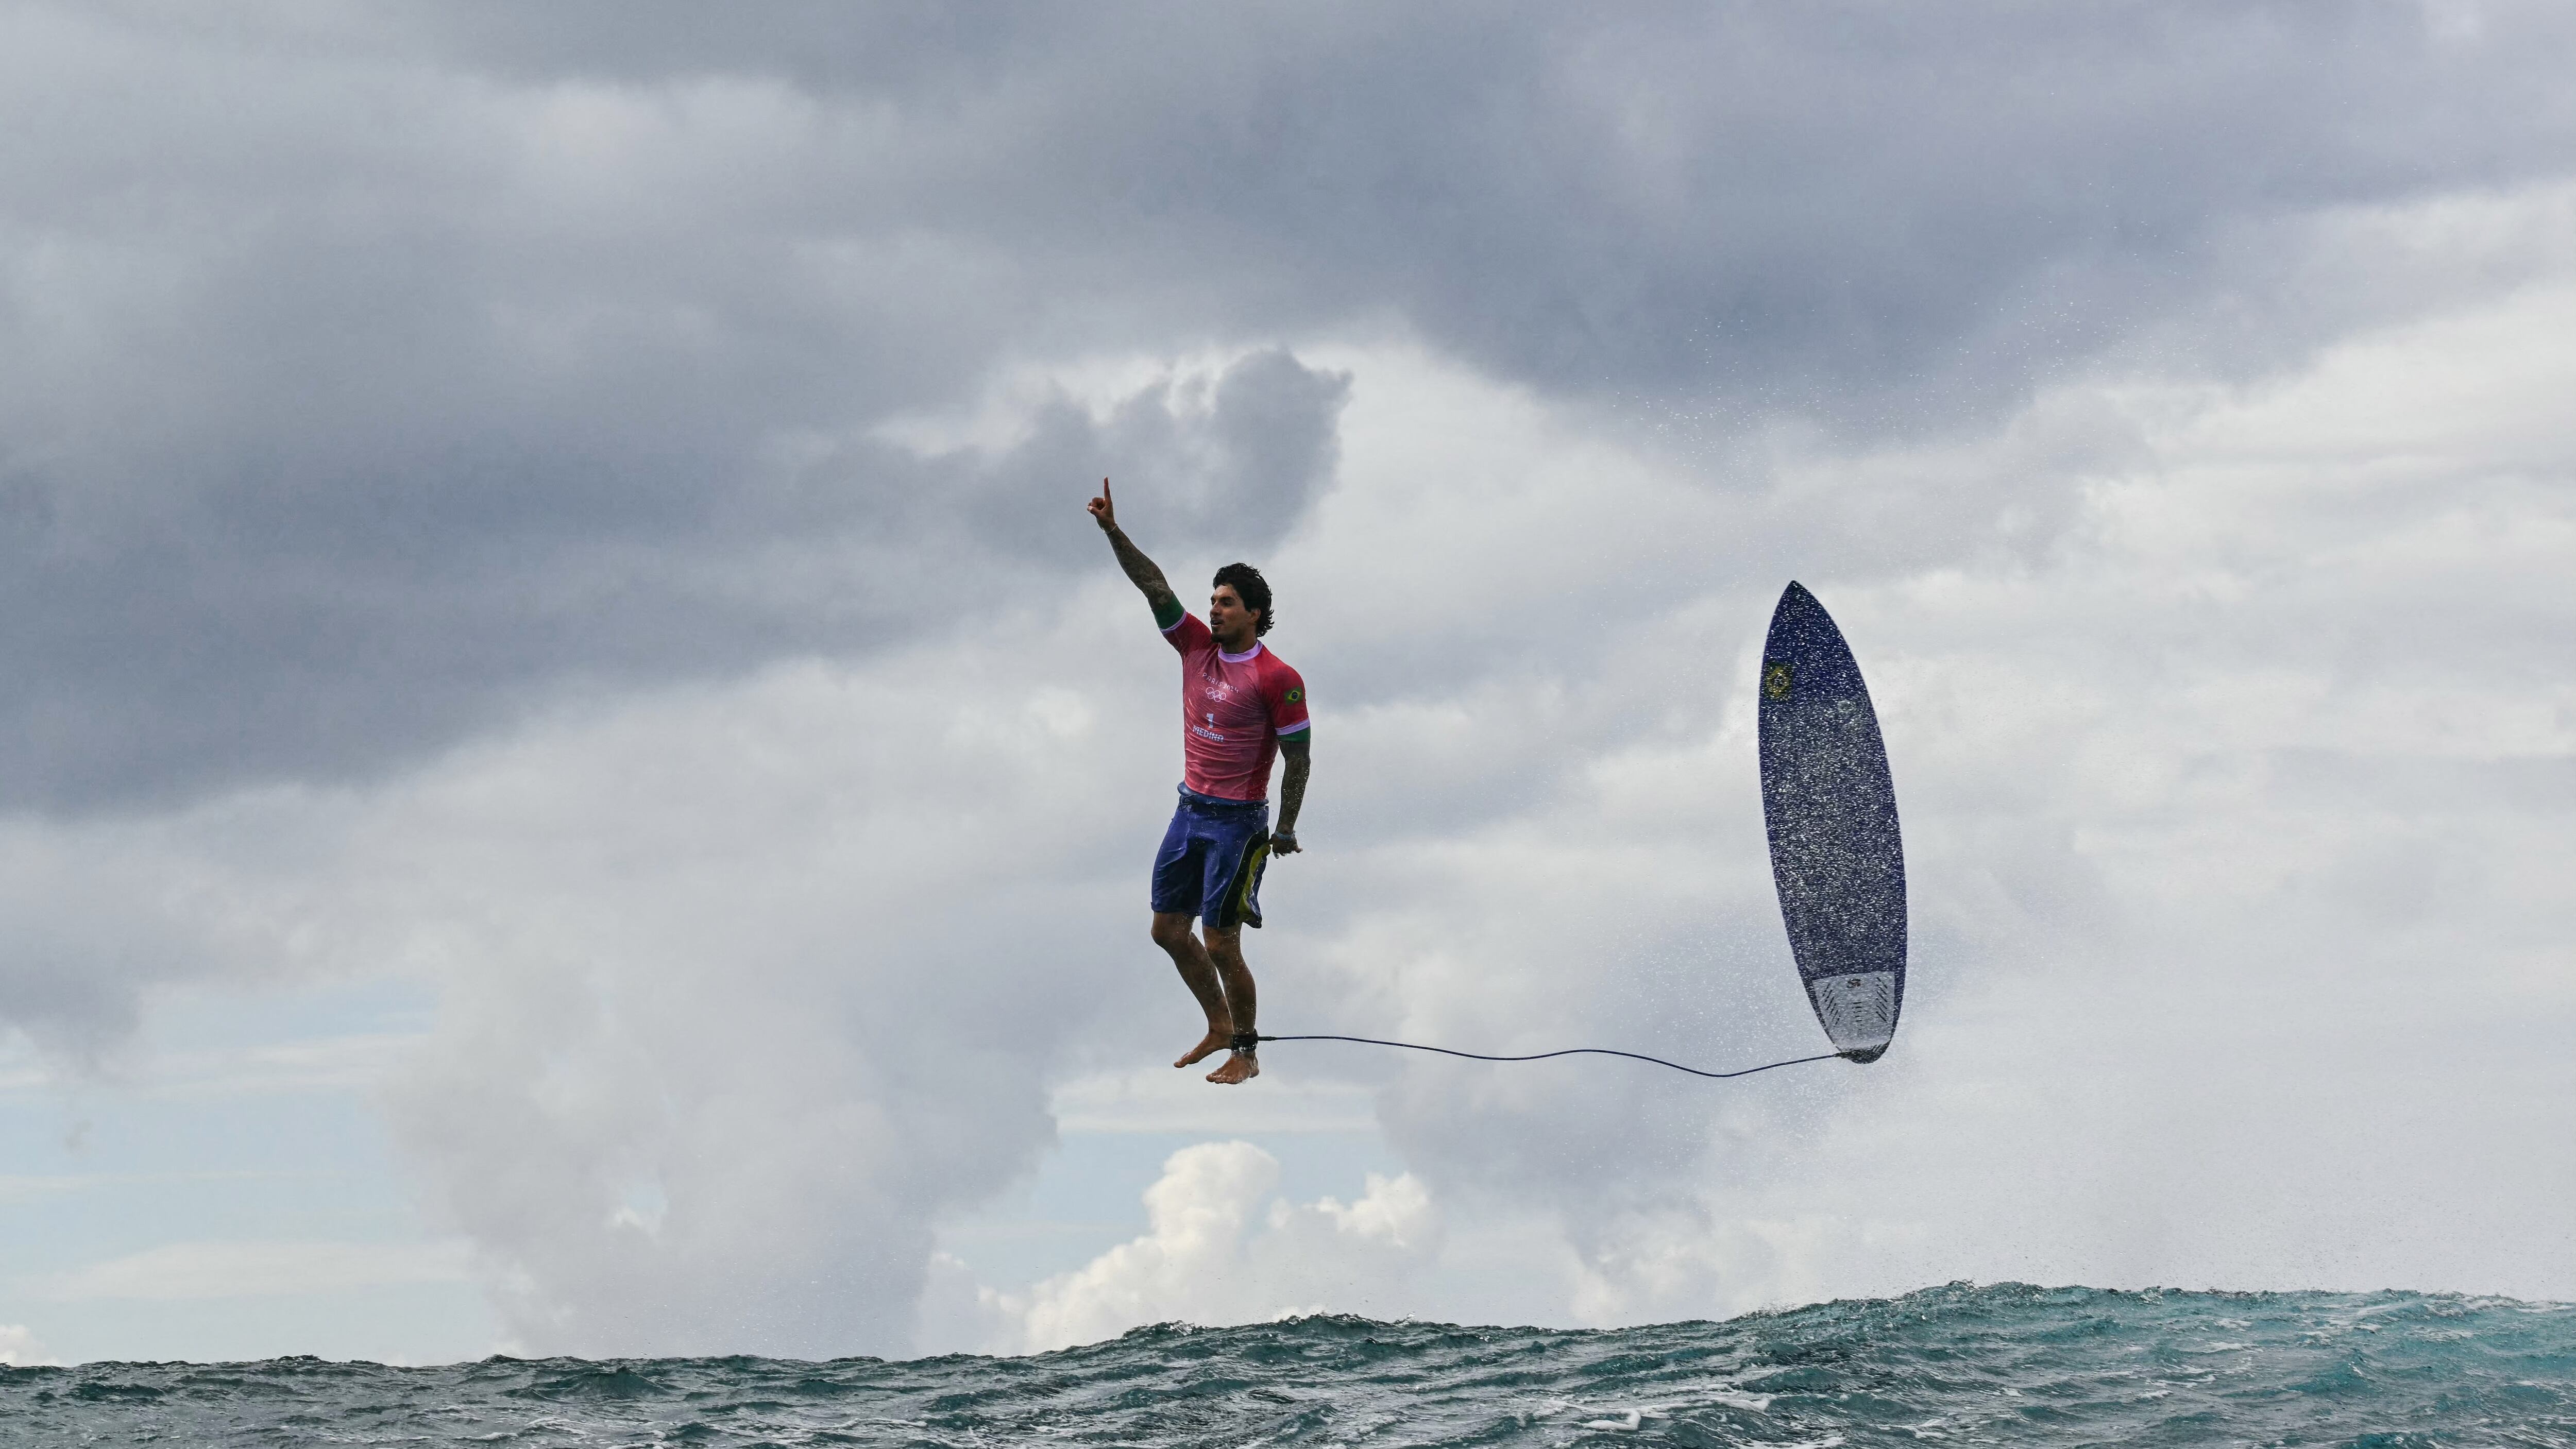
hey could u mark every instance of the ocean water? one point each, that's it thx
(2004, 1364)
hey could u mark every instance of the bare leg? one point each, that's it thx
(1225, 951)
(1172, 933)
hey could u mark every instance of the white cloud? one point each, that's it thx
(805, 994)
(261, 1270)
(20, 1348)
(1223, 1248)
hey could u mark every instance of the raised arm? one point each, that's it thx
(1141, 571)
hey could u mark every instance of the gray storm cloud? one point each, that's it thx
(422, 426)
(373, 372)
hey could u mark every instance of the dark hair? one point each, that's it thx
(1250, 587)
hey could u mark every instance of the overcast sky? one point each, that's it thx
(573, 777)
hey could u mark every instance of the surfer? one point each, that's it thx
(1241, 708)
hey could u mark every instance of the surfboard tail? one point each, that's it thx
(1858, 1012)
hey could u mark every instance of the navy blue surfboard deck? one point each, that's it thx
(1829, 806)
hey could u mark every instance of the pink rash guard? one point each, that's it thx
(1235, 708)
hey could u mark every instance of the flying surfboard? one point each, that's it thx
(1829, 806)
(1830, 809)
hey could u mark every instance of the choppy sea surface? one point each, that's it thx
(2004, 1364)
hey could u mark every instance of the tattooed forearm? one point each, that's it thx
(1140, 569)
(1292, 786)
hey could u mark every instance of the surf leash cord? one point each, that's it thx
(1567, 1052)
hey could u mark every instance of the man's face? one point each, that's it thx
(1227, 618)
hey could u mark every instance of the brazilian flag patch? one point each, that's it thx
(1295, 695)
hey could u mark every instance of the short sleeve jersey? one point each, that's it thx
(1235, 709)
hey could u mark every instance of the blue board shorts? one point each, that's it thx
(1210, 863)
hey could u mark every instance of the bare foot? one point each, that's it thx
(1240, 1067)
(1217, 1040)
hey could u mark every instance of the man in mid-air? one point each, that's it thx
(1241, 708)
